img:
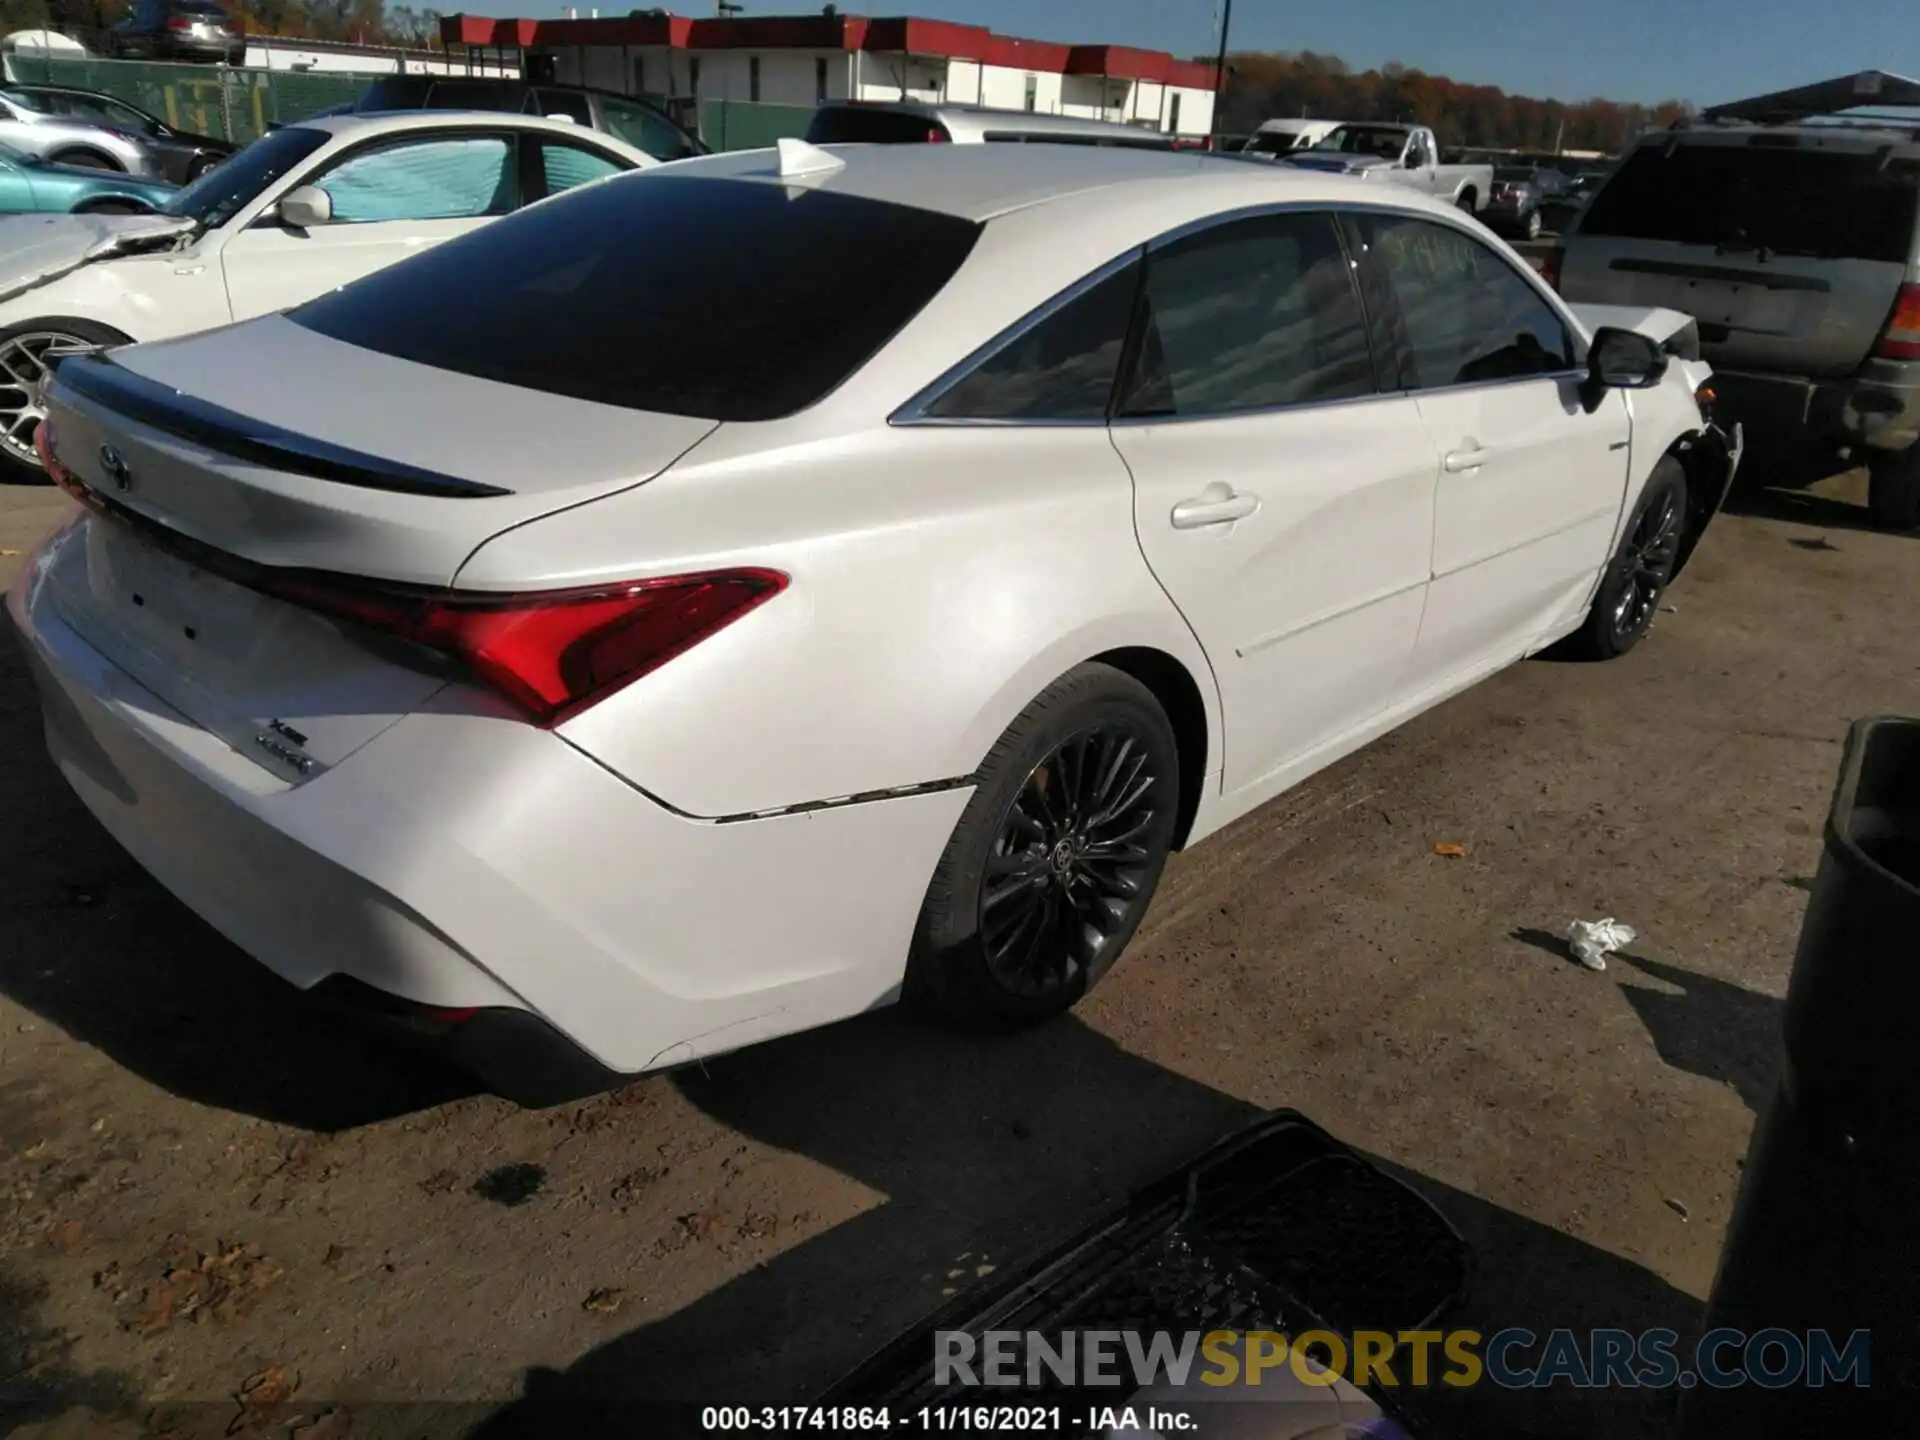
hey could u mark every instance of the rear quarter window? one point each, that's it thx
(1790, 199)
(722, 299)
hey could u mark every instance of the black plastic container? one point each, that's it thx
(1824, 1231)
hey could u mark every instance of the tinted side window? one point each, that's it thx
(1466, 315)
(1060, 369)
(645, 129)
(562, 105)
(1249, 315)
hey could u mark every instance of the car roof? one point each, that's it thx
(980, 182)
(399, 121)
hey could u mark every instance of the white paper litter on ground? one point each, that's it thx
(1593, 940)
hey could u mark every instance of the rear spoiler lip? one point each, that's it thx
(100, 379)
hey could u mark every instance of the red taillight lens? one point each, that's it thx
(551, 653)
(1547, 263)
(1901, 338)
(937, 135)
(179, 22)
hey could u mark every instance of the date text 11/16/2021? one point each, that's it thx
(944, 1419)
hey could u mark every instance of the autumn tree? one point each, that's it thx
(1304, 84)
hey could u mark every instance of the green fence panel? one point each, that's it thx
(743, 125)
(235, 105)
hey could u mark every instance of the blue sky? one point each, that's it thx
(1700, 50)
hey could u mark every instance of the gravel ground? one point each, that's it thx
(219, 1206)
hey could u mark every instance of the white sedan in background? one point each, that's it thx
(709, 604)
(302, 210)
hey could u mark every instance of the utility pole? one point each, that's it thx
(1220, 66)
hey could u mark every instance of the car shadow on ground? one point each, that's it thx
(985, 1151)
(1776, 482)
(91, 944)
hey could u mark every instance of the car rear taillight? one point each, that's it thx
(179, 22)
(937, 135)
(552, 653)
(1547, 264)
(1900, 340)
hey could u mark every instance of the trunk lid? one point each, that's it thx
(285, 449)
(1790, 252)
(289, 449)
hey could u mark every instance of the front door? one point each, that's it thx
(1285, 504)
(398, 199)
(1531, 483)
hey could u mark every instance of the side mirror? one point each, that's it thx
(305, 206)
(1621, 360)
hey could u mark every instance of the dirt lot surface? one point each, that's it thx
(214, 1199)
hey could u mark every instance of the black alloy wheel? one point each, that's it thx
(1647, 564)
(1055, 857)
(1073, 863)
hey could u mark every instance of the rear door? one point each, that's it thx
(393, 199)
(1531, 484)
(1790, 249)
(1285, 505)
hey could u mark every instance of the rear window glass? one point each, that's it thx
(723, 299)
(1790, 201)
(844, 125)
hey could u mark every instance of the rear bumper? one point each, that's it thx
(1877, 407)
(466, 861)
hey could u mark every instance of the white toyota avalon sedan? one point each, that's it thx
(725, 598)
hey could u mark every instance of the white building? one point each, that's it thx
(805, 59)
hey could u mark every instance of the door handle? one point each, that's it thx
(1471, 458)
(1216, 505)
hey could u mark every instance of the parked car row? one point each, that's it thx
(475, 640)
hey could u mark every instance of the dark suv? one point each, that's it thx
(1796, 247)
(178, 30)
(621, 116)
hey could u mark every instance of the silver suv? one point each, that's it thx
(1795, 248)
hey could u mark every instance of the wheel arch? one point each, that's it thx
(66, 153)
(1179, 695)
(1703, 460)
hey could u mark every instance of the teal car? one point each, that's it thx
(29, 186)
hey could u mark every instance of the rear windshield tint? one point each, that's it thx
(1832, 205)
(843, 125)
(723, 299)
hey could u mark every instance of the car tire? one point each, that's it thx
(1532, 225)
(1055, 858)
(1893, 489)
(1636, 578)
(23, 348)
(113, 207)
(200, 165)
(1464, 201)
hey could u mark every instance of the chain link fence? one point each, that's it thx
(236, 105)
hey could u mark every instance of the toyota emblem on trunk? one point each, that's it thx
(116, 468)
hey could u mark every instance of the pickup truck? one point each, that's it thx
(1400, 155)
